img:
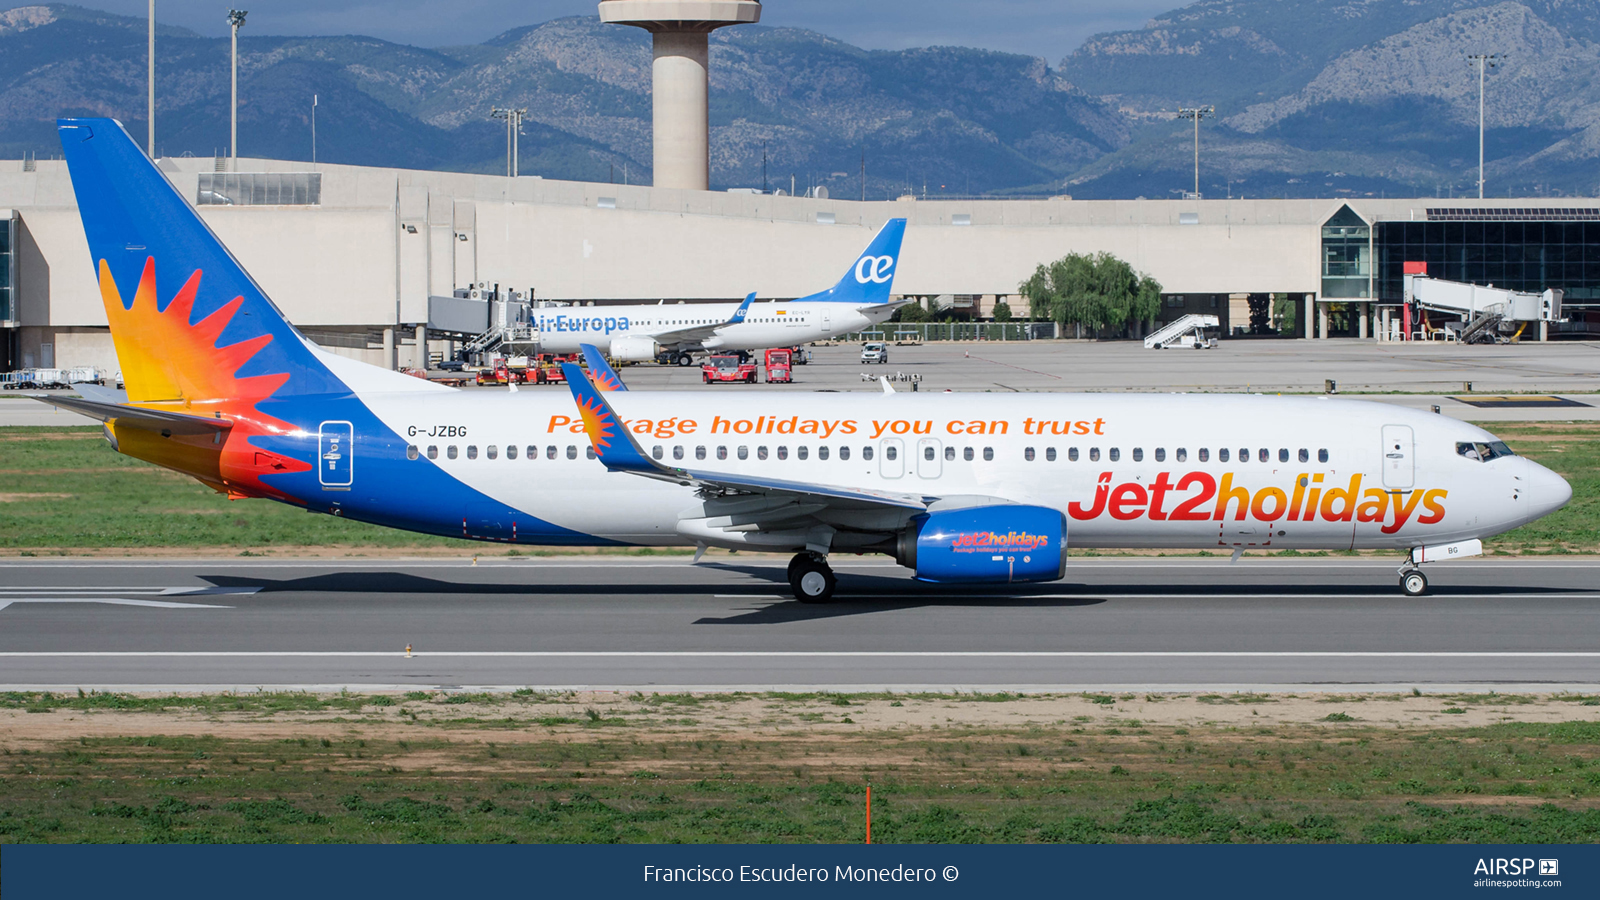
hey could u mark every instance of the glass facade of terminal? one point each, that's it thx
(1346, 256)
(8, 277)
(1529, 255)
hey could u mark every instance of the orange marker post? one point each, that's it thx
(869, 813)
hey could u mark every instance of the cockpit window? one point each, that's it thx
(1481, 451)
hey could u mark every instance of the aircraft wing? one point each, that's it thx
(158, 420)
(618, 450)
(701, 332)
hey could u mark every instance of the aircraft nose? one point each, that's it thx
(1548, 491)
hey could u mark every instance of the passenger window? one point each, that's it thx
(550, 452)
(1027, 454)
(511, 451)
(927, 453)
(1115, 454)
(1181, 455)
(744, 452)
(433, 451)
(801, 452)
(822, 452)
(1161, 454)
(588, 451)
(677, 451)
(844, 452)
(1283, 454)
(572, 451)
(1094, 454)
(866, 452)
(1050, 454)
(761, 452)
(493, 452)
(533, 452)
(1322, 455)
(657, 452)
(1263, 455)
(891, 452)
(1222, 455)
(472, 451)
(950, 454)
(1244, 454)
(1072, 454)
(1138, 454)
(700, 452)
(411, 451)
(967, 454)
(988, 454)
(722, 452)
(783, 452)
(450, 451)
(1205, 454)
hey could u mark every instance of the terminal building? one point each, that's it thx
(353, 254)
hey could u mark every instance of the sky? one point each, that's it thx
(1047, 28)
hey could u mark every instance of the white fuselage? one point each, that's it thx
(766, 324)
(1157, 471)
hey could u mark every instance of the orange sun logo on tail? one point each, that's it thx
(596, 424)
(168, 363)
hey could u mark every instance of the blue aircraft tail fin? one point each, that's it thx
(600, 372)
(188, 322)
(872, 275)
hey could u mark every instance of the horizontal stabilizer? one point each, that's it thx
(149, 419)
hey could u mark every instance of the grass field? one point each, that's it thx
(65, 489)
(793, 768)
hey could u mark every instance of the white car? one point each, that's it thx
(875, 352)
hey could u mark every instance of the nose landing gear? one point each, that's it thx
(1413, 582)
(811, 578)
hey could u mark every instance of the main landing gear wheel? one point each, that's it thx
(811, 579)
(685, 359)
(1414, 583)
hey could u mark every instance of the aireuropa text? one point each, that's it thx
(793, 873)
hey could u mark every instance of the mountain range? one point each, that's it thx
(1311, 97)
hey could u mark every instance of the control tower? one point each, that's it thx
(681, 28)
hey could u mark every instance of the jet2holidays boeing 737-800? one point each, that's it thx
(958, 488)
(860, 300)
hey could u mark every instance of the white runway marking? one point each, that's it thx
(6, 601)
(828, 654)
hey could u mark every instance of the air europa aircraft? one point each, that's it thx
(859, 301)
(956, 487)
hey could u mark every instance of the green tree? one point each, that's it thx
(1002, 311)
(912, 312)
(1095, 291)
(1284, 309)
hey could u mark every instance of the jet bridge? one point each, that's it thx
(1488, 314)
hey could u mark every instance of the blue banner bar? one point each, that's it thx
(67, 872)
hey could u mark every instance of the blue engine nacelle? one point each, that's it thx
(986, 544)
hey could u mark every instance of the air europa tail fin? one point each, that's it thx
(189, 325)
(872, 275)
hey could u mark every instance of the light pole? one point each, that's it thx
(1482, 62)
(513, 119)
(150, 148)
(235, 22)
(1197, 113)
(313, 129)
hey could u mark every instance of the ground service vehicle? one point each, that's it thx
(965, 488)
(779, 367)
(720, 367)
(875, 352)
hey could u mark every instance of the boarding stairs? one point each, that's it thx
(1482, 329)
(1187, 331)
(503, 337)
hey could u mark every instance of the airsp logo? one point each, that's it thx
(874, 269)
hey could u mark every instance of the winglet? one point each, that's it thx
(738, 314)
(614, 446)
(605, 378)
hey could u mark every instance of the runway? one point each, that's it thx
(630, 623)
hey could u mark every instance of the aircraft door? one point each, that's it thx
(336, 455)
(1399, 467)
(929, 464)
(891, 458)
